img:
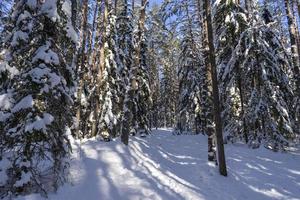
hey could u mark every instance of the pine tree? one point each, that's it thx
(35, 118)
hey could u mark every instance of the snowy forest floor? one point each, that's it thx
(168, 167)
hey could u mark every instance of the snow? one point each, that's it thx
(4, 116)
(4, 164)
(6, 101)
(67, 9)
(71, 33)
(50, 9)
(43, 74)
(164, 166)
(4, 67)
(23, 17)
(26, 102)
(25, 178)
(45, 54)
(31, 3)
(19, 35)
(39, 123)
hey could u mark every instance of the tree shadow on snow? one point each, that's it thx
(168, 167)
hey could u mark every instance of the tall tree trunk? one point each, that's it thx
(128, 105)
(295, 59)
(294, 50)
(240, 86)
(247, 6)
(93, 30)
(74, 13)
(130, 95)
(298, 5)
(133, 2)
(241, 93)
(296, 13)
(213, 71)
(207, 87)
(116, 7)
(92, 53)
(81, 64)
(101, 68)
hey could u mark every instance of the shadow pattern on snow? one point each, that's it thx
(164, 166)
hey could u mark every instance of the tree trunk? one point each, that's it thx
(296, 23)
(133, 2)
(128, 105)
(207, 89)
(74, 13)
(295, 59)
(116, 7)
(240, 86)
(294, 50)
(216, 101)
(101, 68)
(81, 63)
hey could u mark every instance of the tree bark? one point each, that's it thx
(295, 13)
(216, 101)
(133, 2)
(101, 68)
(81, 64)
(74, 13)
(295, 60)
(207, 89)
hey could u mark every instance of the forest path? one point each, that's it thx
(164, 166)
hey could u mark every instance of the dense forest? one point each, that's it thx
(109, 69)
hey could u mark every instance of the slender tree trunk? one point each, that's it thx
(95, 55)
(101, 68)
(133, 82)
(295, 59)
(93, 30)
(74, 13)
(133, 2)
(296, 21)
(128, 104)
(294, 50)
(116, 7)
(240, 86)
(298, 5)
(81, 64)
(213, 71)
(207, 88)
(247, 6)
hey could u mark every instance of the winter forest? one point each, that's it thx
(150, 99)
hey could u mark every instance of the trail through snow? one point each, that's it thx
(163, 166)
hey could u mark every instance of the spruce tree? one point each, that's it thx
(38, 98)
(256, 90)
(110, 97)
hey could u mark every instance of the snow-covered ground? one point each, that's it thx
(168, 167)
